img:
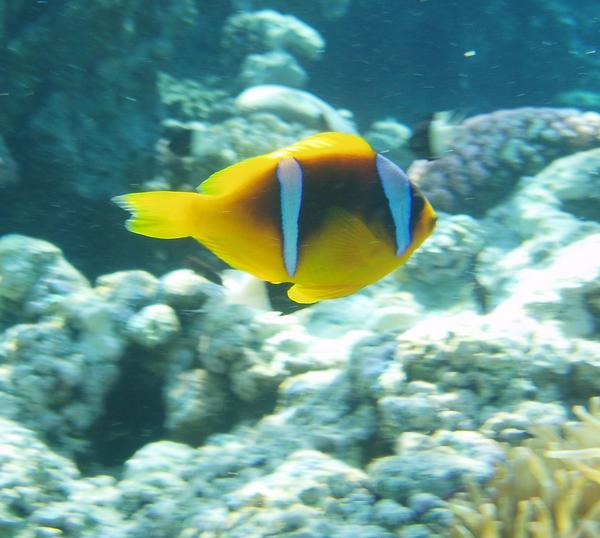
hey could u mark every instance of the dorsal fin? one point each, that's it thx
(236, 176)
(323, 143)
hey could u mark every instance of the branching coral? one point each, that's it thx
(549, 488)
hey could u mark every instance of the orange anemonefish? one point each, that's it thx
(327, 214)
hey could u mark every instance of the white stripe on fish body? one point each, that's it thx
(396, 187)
(290, 176)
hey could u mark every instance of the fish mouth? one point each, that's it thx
(432, 223)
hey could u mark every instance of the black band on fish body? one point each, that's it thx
(418, 203)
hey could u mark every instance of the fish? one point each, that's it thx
(432, 138)
(327, 214)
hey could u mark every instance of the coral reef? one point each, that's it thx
(297, 495)
(84, 113)
(270, 42)
(361, 416)
(437, 464)
(294, 105)
(492, 151)
(189, 99)
(343, 429)
(210, 147)
(91, 128)
(32, 477)
(276, 67)
(441, 273)
(575, 184)
(549, 487)
(268, 30)
(391, 137)
(544, 266)
(58, 361)
(270, 116)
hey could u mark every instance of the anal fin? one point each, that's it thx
(308, 295)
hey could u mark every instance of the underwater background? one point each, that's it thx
(145, 391)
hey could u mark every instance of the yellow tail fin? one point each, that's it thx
(162, 214)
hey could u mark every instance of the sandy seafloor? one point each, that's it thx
(457, 397)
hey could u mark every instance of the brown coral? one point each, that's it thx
(490, 152)
(549, 488)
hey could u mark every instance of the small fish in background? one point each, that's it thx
(432, 137)
(327, 214)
